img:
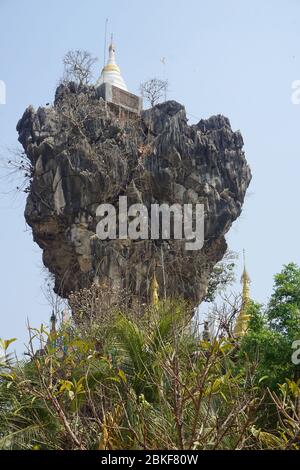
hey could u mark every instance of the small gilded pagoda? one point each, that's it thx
(242, 321)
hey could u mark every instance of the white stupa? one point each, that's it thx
(111, 73)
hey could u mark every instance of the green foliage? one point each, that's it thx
(142, 379)
(270, 353)
(150, 383)
(5, 343)
(284, 307)
(258, 321)
(272, 332)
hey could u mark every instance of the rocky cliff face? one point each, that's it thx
(85, 152)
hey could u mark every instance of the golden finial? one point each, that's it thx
(206, 332)
(245, 280)
(53, 324)
(154, 289)
(241, 325)
(51, 341)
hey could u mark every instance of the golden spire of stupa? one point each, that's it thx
(53, 324)
(154, 286)
(51, 341)
(242, 321)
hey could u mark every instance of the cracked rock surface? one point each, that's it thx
(84, 152)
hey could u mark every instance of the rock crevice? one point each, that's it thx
(85, 152)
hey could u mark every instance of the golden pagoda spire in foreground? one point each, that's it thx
(154, 290)
(242, 321)
(51, 341)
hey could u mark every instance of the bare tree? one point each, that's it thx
(78, 67)
(17, 171)
(154, 90)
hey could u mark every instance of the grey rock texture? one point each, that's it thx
(85, 152)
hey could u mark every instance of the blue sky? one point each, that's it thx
(222, 57)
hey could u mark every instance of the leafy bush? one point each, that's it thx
(136, 380)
